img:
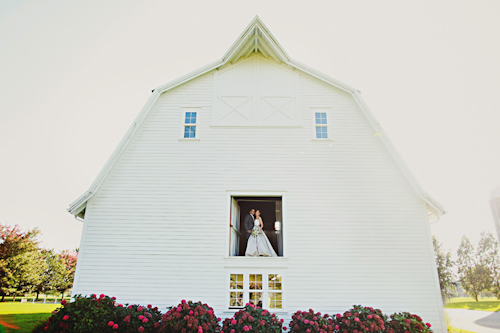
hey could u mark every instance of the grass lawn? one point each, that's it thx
(22, 317)
(484, 304)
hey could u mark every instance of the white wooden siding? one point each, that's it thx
(355, 230)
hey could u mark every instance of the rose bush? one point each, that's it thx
(189, 317)
(310, 321)
(361, 319)
(253, 319)
(406, 322)
(100, 314)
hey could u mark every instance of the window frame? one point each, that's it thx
(184, 111)
(265, 288)
(325, 110)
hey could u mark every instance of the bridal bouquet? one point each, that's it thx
(255, 231)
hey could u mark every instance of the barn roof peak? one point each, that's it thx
(254, 39)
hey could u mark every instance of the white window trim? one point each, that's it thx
(265, 287)
(184, 110)
(314, 125)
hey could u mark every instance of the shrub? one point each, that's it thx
(361, 319)
(103, 314)
(406, 322)
(189, 317)
(253, 318)
(309, 321)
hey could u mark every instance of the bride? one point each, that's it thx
(258, 244)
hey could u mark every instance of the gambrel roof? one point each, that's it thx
(256, 38)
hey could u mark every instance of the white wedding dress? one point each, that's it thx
(259, 246)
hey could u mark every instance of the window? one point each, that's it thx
(321, 124)
(261, 289)
(190, 125)
(271, 212)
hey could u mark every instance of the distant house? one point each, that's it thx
(257, 129)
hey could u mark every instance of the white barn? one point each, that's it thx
(350, 223)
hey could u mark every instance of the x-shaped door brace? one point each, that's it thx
(235, 109)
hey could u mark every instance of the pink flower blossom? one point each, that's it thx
(140, 329)
(179, 309)
(369, 316)
(306, 321)
(245, 328)
(145, 320)
(233, 322)
(66, 317)
(356, 319)
(113, 298)
(129, 307)
(110, 324)
(428, 325)
(115, 326)
(63, 302)
(339, 316)
(141, 317)
(139, 308)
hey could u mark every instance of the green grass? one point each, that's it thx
(484, 304)
(23, 315)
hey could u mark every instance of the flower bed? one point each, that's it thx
(253, 319)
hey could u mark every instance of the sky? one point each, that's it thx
(75, 74)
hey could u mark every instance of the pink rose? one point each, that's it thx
(428, 325)
(115, 326)
(66, 317)
(141, 329)
(306, 321)
(369, 316)
(233, 322)
(63, 302)
(356, 319)
(139, 309)
(339, 316)
(110, 324)
(141, 317)
(245, 328)
(179, 309)
(145, 320)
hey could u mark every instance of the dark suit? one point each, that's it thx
(248, 224)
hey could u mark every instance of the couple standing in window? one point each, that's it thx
(258, 245)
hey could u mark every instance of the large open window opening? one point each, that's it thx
(271, 212)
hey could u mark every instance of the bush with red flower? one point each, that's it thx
(361, 319)
(253, 319)
(189, 317)
(100, 314)
(310, 321)
(405, 322)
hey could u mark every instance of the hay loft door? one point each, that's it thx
(235, 228)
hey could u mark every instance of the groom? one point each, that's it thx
(248, 222)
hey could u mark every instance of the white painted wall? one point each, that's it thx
(355, 232)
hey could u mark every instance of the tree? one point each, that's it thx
(473, 273)
(488, 252)
(65, 278)
(21, 264)
(54, 272)
(444, 267)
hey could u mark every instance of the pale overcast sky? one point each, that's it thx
(74, 75)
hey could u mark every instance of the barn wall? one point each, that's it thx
(355, 232)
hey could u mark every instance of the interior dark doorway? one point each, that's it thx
(272, 215)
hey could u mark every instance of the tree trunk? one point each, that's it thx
(37, 293)
(3, 297)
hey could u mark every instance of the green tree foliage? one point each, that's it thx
(444, 265)
(488, 252)
(63, 279)
(473, 273)
(54, 274)
(21, 264)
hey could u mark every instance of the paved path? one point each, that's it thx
(475, 321)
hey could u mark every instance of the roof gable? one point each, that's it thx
(256, 38)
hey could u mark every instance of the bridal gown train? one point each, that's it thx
(259, 246)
